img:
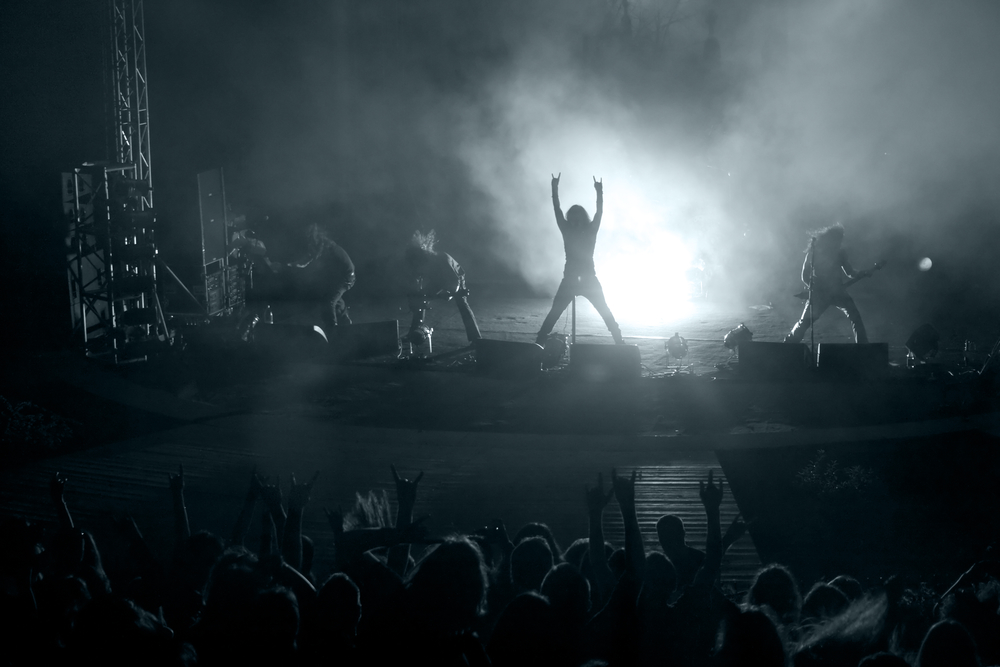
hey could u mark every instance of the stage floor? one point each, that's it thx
(520, 450)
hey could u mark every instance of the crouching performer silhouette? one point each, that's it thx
(579, 277)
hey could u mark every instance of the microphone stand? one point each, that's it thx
(812, 320)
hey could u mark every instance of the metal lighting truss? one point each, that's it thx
(111, 249)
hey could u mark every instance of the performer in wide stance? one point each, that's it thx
(823, 273)
(436, 276)
(579, 277)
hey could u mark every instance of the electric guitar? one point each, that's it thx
(804, 294)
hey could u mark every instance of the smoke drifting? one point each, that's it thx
(879, 114)
(392, 116)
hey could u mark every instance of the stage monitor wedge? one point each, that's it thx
(600, 363)
(289, 342)
(508, 358)
(363, 340)
(773, 361)
(854, 362)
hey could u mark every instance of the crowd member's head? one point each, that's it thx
(197, 557)
(577, 552)
(775, 587)
(230, 594)
(670, 531)
(535, 529)
(977, 612)
(523, 635)
(273, 626)
(568, 593)
(821, 602)
(339, 606)
(449, 585)
(947, 644)
(847, 585)
(616, 561)
(530, 561)
(845, 639)
(749, 638)
(659, 578)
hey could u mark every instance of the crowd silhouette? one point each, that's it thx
(400, 596)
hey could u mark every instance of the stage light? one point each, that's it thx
(736, 336)
(677, 346)
(925, 264)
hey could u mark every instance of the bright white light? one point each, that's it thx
(642, 265)
(925, 264)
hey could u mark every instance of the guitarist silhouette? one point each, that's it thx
(823, 271)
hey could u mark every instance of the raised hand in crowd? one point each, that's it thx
(92, 568)
(711, 498)
(597, 500)
(245, 517)
(406, 492)
(138, 549)
(406, 499)
(57, 488)
(182, 528)
(298, 494)
(624, 489)
(291, 536)
(270, 494)
(737, 529)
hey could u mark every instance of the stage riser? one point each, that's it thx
(601, 363)
(773, 361)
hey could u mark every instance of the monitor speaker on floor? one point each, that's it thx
(508, 358)
(605, 362)
(370, 339)
(854, 362)
(774, 361)
(289, 341)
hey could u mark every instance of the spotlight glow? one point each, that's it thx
(925, 264)
(643, 266)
